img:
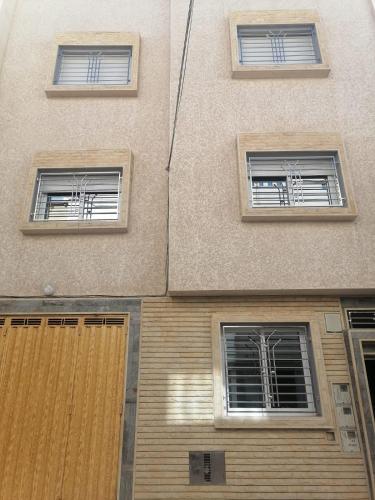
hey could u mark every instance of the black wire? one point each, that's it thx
(181, 82)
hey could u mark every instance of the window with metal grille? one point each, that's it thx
(268, 369)
(278, 44)
(362, 319)
(292, 179)
(79, 65)
(77, 195)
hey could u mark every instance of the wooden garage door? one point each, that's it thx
(61, 391)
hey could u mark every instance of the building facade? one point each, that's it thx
(187, 305)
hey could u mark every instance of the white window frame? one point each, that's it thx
(76, 194)
(291, 173)
(265, 372)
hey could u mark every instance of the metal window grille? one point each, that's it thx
(362, 319)
(287, 179)
(267, 369)
(278, 44)
(93, 66)
(77, 195)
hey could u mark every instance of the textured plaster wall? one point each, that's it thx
(211, 249)
(118, 264)
(7, 8)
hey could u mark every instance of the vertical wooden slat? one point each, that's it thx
(11, 392)
(91, 469)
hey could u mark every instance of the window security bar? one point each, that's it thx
(267, 369)
(286, 180)
(278, 44)
(93, 66)
(363, 319)
(70, 196)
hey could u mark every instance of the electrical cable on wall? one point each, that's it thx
(181, 82)
(181, 79)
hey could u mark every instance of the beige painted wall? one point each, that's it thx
(211, 249)
(7, 8)
(111, 264)
(175, 413)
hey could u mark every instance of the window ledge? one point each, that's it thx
(297, 214)
(232, 422)
(91, 91)
(284, 71)
(38, 228)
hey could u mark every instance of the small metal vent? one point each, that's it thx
(62, 321)
(2, 321)
(362, 319)
(207, 476)
(207, 467)
(104, 321)
(26, 321)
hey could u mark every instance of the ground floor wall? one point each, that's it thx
(71, 390)
(176, 410)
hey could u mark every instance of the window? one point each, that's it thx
(94, 64)
(77, 195)
(277, 44)
(267, 369)
(79, 191)
(362, 319)
(287, 179)
(294, 176)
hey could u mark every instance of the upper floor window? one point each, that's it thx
(292, 179)
(94, 64)
(77, 195)
(78, 191)
(294, 176)
(276, 44)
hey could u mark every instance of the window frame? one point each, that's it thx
(294, 143)
(265, 369)
(74, 161)
(281, 18)
(94, 40)
(323, 419)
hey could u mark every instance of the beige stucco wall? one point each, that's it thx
(111, 264)
(7, 8)
(211, 249)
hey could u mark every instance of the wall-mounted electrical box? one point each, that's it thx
(345, 418)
